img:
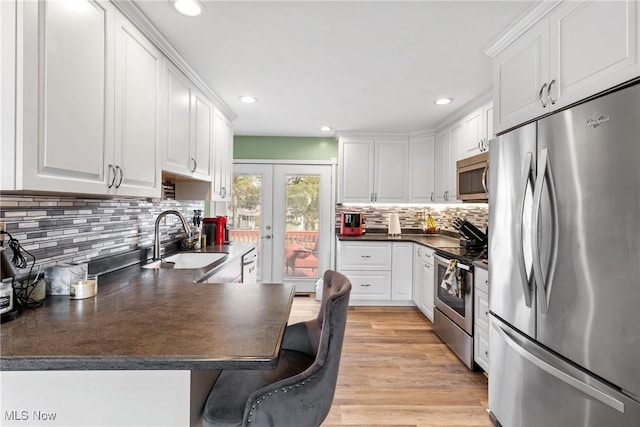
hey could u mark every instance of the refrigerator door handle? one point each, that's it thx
(544, 284)
(527, 177)
(558, 373)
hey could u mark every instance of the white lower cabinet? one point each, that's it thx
(423, 279)
(380, 272)
(481, 318)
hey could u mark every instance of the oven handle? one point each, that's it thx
(458, 265)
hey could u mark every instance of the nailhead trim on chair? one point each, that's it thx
(284, 390)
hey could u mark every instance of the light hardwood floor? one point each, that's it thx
(395, 371)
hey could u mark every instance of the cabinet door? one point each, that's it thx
(428, 288)
(137, 102)
(487, 115)
(176, 156)
(402, 271)
(417, 277)
(355, 168)
(391, 172)
(421, 162)
(203, 136)
(520, 72)
(594, 46)
(473, 133)
(66, 137)
(441, 166)
(222, 157)
(455, 139)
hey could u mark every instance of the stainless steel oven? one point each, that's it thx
(453, 316)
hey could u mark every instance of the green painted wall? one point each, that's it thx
(284, 148)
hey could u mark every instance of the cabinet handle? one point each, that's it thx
(365, 256)
(486, 353)
(365, 285)
(113, 180)
(446, 195)
(432, 197)
(553, 101)
(195, 165)
(223, 192)
(540, 96)
(121, 173)
(375, 197)
(419, 251)
(479, 145)
(371, 197)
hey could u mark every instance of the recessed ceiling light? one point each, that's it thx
(187, 7)
(326, 128)
(443, 101)
(248, 99)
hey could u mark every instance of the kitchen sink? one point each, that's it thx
(185, 261)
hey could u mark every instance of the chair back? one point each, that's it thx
(306, 398)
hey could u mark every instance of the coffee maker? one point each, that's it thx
(216, 230)
(351, 224)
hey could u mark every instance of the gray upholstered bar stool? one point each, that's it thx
(299, 392)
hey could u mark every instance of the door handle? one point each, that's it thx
(121, 173)
(113, 180)
(540, 96)
(544, 283)
(553, 101)
(485, 175)
(524, 277)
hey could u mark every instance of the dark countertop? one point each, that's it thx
(433, 241)
(437, 241)
(152, 319)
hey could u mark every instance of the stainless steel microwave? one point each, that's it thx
(472, 178)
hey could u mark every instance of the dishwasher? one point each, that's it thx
(250, 267)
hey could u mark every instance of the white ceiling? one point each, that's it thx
(358, 66)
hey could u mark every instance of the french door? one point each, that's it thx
(287, 210)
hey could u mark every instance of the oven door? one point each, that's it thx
(457, 308)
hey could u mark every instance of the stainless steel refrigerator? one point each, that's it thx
(564, 277)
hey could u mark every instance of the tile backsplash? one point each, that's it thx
(413, 217)
(74, 229)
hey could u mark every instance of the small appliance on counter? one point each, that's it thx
(216, 230)
(351, 224)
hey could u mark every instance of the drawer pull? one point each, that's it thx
(365, 256)
(365, 285)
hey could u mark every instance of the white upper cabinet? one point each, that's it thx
(421, 169)
(189, 127)
(391, 172)
(65, 97)
(446, 154)
(222, 157)
(373, 170)
(355, 168)
(138, 101)
(477, 131)
(88, 102)
(579, 49)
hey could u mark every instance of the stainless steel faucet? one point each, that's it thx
(156, 244)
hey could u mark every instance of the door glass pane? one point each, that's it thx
(244, 211)
(302, 222)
